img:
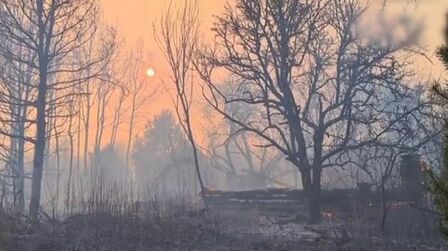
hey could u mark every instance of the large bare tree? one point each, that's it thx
(313, 74)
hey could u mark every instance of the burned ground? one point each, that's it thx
(211, 230)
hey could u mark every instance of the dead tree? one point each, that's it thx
(137, 84)
(408, 136)
(313, 76)
(178, 37)
(123, 93)
(104, 93)
(17, 92)
(51, 30)
(236, 152)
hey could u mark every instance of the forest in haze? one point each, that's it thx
(286, 125)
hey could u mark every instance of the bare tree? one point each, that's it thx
(408, 136)
(51, 30)
(139, 90)
(17, 92)
(104, 93)
(240, 154)
(178, 37)
(314, 77)
(123, 93)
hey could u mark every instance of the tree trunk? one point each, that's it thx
(70, 170)
(315, 197)
(39, 150)
(87, 128)
(100, 119)
(20, 158)
(312, 189)
(314, 208)
(21, 175)
(58, 169)
(13, 170)
(117, 120)
(383, 206)
(44, 33)
(130, 132)
(196, 159)
(17, 162)
(306, 180)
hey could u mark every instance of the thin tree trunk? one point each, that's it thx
(70, 170)
(117, 120)
(78, 138)
(21, 171)
(196, 158)
(130, 132)
(383, 206)
(25, 89)
(58, 168)
(13, 168)
(87, 127)
(18, 155)
(103, 98)
(99, 128)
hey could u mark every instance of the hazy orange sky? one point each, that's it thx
(134, 20)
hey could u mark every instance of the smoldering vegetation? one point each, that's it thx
(304, 125)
